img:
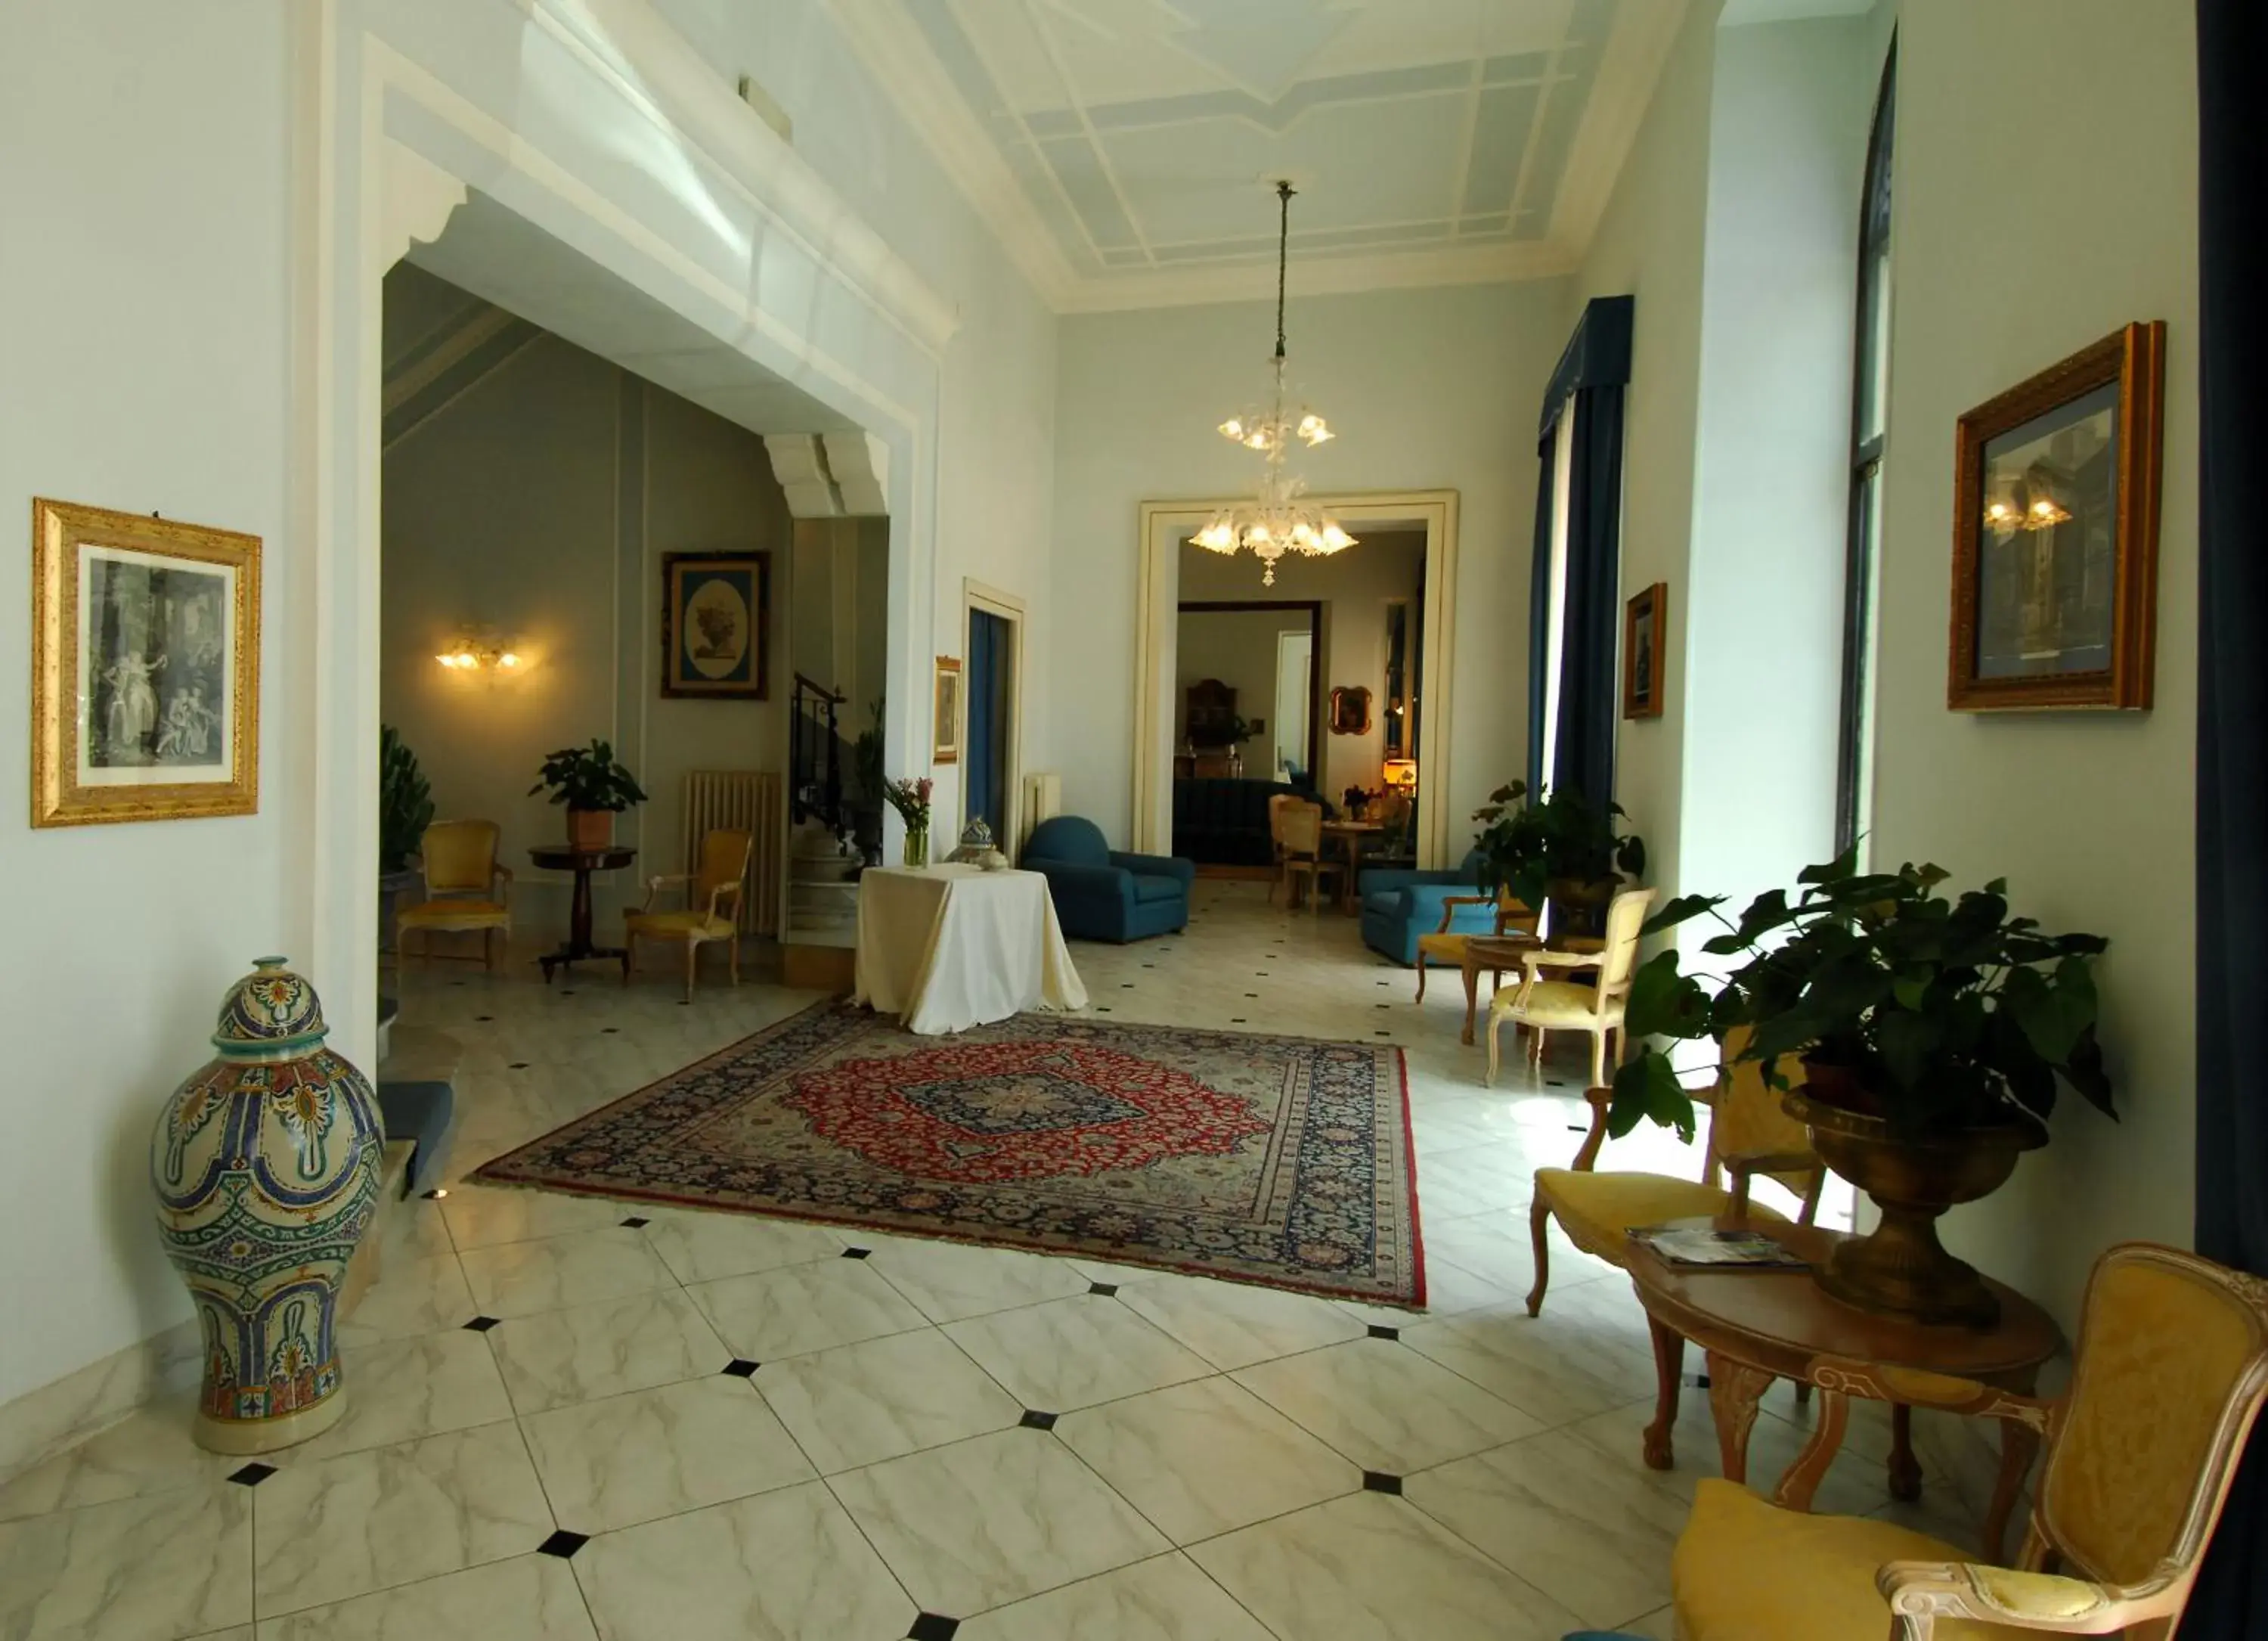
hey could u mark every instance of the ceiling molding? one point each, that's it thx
(1637, 51)
(1336, 276)
(889, 44)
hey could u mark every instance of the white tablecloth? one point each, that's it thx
(952, 946)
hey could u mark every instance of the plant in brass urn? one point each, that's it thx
(1561, 848)
(1933, 1036)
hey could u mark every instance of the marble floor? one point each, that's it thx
(575, 1418)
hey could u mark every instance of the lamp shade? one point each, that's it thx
(1400, 771)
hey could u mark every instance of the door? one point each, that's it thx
(1295, 693)
(990, 751)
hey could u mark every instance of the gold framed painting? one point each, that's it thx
(947, 711)
(1646, 643)
(146, 679)
(2055, 534)
(715, 623)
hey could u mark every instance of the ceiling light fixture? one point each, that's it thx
(1276, 521)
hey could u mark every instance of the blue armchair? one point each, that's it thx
(1102, 893)
(1399, 905)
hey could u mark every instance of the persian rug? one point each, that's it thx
(1279, 1160)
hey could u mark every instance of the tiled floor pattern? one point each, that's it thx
(576, 1418)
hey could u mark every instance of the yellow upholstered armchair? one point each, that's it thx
(1514, 916)
(467, 889)
(1542, 1005)
(713, 906)
(1748, 1135)
(2171, 1369)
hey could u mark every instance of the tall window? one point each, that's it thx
(1870, 379)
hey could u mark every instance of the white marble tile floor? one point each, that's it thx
(569, 1427)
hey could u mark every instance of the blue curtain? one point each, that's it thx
(2231, 800)
(1587, 387)
(985, 758)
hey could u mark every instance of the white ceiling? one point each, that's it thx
(1125, 149)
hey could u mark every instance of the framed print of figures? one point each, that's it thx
(145, 681)
(2055, 534)
(716, 622)
(1645, 638)
(948, 706)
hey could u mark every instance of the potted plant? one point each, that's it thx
(405, 808)
(593, 786)
(1561, 848)
(1931, 1035)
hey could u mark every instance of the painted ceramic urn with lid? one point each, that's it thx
(266, 1165)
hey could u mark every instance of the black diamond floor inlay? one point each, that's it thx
(1381, 1033)
(1236, 1019)
(434, 1195)
(634, 1222)
(563, 1544)
(609, 1031)
(934, 1626)
(1378, 1331)
(1379, 1481)
(481, 1324)
(483, 1018)
(519, 1065)
(1034, 1419)
(857, 1253)
(1103, 1007)
(1106, 1289)
(252, 1475)
(740, 1367)
(565, 990)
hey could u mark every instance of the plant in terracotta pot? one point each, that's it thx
(1922, 1040)
(1560, 848)
(593, 786)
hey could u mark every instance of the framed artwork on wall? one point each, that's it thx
(1350, 710)
(145, 681)
(715, 625)
(1645, 645)
(947, 709)
(2055, 534)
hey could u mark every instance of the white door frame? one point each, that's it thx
(976, 595)
(1165, 525)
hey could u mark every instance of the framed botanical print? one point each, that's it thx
(145, 682)
(1646, 645)
(715, 625)
(947, 709)
(2055, 534)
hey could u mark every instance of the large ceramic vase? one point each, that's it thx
(266, 1165)
(1900, 1268)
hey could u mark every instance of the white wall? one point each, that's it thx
(1436, 388)
(144, 306)
(2089, 816)
(1236, 648)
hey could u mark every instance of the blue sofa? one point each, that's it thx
(1102, 893)
(1398, 906)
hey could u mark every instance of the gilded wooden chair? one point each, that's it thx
(1302, 826)
(1513, 917)
(2171, 1369)
(1748, 1135)
(711, 911)
(466, 890)
(1542, 1005)
(1278, 803)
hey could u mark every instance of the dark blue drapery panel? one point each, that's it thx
(2232, 808)
(1539, 619)
(986, 768)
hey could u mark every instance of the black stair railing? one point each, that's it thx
(815, 755)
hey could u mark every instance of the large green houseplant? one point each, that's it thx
(594, 787)
(1933, 1036)
(1559, 848)
(405, 802)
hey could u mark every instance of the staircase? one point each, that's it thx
(823, 863)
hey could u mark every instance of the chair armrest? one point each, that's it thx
(1922, 1592)
(501, 874)
(1914, 1387)
(1156, 865)
(1587, 1156)
(658, 881)
(1113, 882)
(1744, 1166)
(1449, 903)
(1372, 879)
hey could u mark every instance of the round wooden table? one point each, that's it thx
(582, 862)
(1760, 1324)
(1493, 954)
(1351, 832)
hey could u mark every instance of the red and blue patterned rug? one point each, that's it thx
(1279, 1160)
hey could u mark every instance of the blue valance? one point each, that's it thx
(1598, 355)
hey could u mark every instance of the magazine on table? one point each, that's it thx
(1703, 1244)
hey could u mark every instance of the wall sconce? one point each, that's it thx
(480, 652)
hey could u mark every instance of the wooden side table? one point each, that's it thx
(1757, 1325)
(582, 862)
(1490, 954)
(1350, 834)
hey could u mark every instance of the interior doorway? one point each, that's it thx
(992, 679)
(1295, 701)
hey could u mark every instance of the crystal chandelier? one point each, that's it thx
(1276, 521)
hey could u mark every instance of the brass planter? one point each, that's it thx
(1901, 1269)
(1579, 905)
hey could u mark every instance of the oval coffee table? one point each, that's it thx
(1759, 1325)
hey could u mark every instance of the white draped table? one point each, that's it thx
(952, 946)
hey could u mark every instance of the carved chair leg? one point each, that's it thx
(691, 947)
(1539, 1221)
(1495, 1020)
(733, 956)
(1421, 974)
(1598, 1059)
(630, 955)
(1669, 1368)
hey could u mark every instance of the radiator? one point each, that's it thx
(742, 800)
(1042, 801)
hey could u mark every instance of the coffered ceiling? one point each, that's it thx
(1126, 150)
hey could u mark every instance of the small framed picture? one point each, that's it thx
(145, 683)
(1645, 646)
(2055, 534)
(1350, 711)
(949, 710)
(715, 625)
